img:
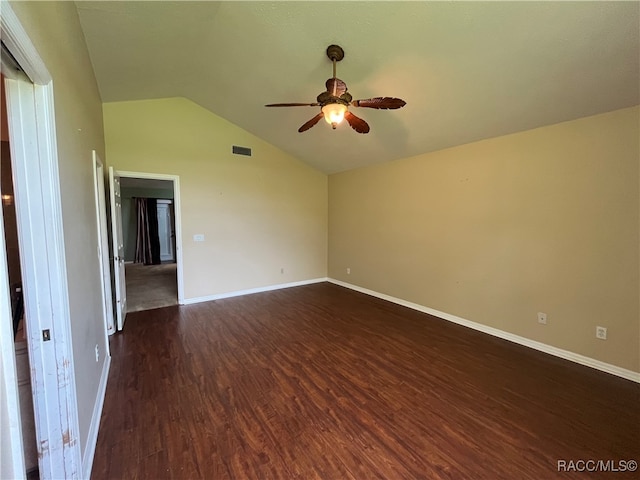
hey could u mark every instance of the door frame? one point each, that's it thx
(177, 218)
(34, 152)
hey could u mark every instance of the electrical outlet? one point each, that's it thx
(601, 333)
(542, 318)
(348, 271)
(282, 270)
(97, 353)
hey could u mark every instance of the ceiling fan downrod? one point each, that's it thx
(335, 54)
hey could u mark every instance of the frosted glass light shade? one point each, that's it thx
(334, 113)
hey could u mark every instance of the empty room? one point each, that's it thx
(403, 239)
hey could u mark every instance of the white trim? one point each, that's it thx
(237, 293)
(177, 212)
(542, 347)
(21, 47)
(92, 437)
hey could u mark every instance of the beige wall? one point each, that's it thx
(258, 214)
(495, 231)
(55, 31)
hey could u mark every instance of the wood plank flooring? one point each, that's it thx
(322, 382)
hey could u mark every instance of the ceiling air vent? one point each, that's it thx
(242, 150)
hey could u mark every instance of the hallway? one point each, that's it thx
(151, 286)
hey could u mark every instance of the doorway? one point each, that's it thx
(34, 161)
(150, 229)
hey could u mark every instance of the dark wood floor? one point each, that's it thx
(322, 382)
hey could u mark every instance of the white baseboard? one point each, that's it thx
(558, 352)
(237, 293)
(92, 437)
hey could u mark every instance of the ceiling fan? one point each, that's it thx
(335, 101)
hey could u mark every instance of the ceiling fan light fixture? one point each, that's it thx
(334, 102)
(334, 113)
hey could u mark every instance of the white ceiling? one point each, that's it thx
(467, 70)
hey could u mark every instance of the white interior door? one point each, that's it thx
(11, 455)
(118, 248)
(103, 243)
(165, 230)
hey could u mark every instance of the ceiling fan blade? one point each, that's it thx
(292, 105)
(336, 87)
(387, 103)
(311, 122)
(356, 123)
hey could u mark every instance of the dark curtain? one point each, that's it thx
(152, 208)
(147, 240)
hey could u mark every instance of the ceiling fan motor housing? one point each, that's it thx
(325, 98)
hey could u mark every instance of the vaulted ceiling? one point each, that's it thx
(467, 70)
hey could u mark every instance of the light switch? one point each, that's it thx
(199, 237)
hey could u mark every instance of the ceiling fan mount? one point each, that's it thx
(335, 101)
(335, 53)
